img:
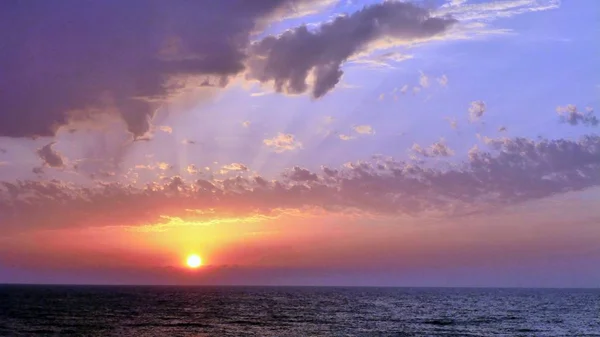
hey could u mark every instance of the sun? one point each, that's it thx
(194, 261)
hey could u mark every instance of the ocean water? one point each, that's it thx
(290, 311)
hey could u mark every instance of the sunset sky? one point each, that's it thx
(300, 142)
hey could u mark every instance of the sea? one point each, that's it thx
(296, 311)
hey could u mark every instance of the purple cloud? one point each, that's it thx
(50, 157)
(289, 59)
(67, 61)
(437, 149)
(571, 115)
(512, 171)
(476, 110)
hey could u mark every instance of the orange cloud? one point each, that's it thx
(283, 142)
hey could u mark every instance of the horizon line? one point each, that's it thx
(285, 286)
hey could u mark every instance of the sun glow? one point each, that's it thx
(194, 261)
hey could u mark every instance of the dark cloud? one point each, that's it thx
(69, 60)
(512, 171)
(50, 157)
(288, 60)
(570, 114)
(300, 174)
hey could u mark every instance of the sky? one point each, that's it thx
(300, 142)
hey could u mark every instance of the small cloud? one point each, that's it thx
(476, 110)
(364, 129)
(423, 80)
(571, 115)
(146, 137)
(488, 140)
(346, 137)
(163, 166)
(38, 170)
(166, 129)
(453, 122)
(502, 129)
(416, 90)
(383, 60)
(258, 94)
(50, 157)
(3, 150)
(187, 141)
(246, 124)
(302, 175)
(443, 80)
(404, 89)
(328, 119)
(453, 3)
(437, 149)
(486, 11)
(473, 152)
(381, 97)
(192, 169)
(283, 142)
(233, 167)
(345, 85)
(396, 56)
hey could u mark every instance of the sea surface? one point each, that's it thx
(295, 311)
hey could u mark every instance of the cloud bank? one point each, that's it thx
(512, 171)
